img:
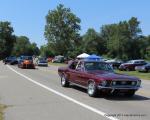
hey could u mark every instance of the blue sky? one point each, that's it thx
(28, 16)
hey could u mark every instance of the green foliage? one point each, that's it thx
(24, 47)
(7, 39)
(45, 51)
(93, 43)
(61, 30)
(123, 39)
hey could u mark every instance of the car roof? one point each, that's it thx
(91, 61)
(138, 60)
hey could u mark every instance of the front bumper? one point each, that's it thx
(118, 87)
(28, 66)
(42, 64)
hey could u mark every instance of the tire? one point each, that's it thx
(127, 69)
(64, 81)
(148, 70)
(92, 90)
(130, 93)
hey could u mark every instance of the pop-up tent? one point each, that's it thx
(94, 57)
(82, 56)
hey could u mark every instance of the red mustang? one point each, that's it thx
(97, 77)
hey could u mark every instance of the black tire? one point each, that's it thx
(130, 93)
(64, 81)
(127, 69)
(148, 70)
(92, 90)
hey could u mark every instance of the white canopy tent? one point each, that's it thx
(83, 55)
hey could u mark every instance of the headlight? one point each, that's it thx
(114, 83)
(138, 83)
(103, 83)
(143, 68)
(133, 83)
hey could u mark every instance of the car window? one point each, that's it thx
(130, 61)
(137, 62)
(73, 65)
(79, 66)
(97, 66)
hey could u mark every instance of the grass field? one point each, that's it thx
(57, 64)
(141, 75)
(2, 108)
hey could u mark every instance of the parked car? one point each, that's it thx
(97, 77)
(26, 62)
(10, 60)
(130, 65)
(114, 63)
(58, 59)
(49, 59)
(143, 68)
(42, 62)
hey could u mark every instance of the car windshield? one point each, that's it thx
(26, 57)
(12, 58)
(130, 61)
(148, 64)
(42, 59)
(90, 66)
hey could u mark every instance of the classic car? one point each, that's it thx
(58, 59)
(42, 62)
(10, 60)
(115, 63)
(98, 77)
(143, 68)
(130, 65)
(26, 62)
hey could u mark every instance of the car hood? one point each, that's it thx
(42, 61)
(112, 75)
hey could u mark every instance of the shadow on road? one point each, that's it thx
(114, 97)
(124, 98)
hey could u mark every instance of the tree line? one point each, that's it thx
(123, 40)
(11, 44)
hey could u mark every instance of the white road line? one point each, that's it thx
(65, 96)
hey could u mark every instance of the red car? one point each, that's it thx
(97, 77)
(26, 62)
(130, 65)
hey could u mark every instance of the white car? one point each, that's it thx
(42, 62)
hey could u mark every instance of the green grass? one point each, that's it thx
(57, 64)
(2, 108)
(141, 75)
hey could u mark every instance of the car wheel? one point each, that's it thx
(92, 90)
(148, 70)
(64, 81)
(130, 93)
(127, 69)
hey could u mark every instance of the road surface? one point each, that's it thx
(36, 94)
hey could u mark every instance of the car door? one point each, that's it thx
(81, 74)
(71, 73)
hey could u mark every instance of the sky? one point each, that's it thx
(27, 17)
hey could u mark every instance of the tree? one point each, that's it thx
(123, 39)
(7, 39)
(24, 47)
(61, 30)
(45, 51)
(93, 43)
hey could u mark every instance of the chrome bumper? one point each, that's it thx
(119, 87)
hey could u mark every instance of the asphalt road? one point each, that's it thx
(36, 94)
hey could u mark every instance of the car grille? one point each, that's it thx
(123, 83)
